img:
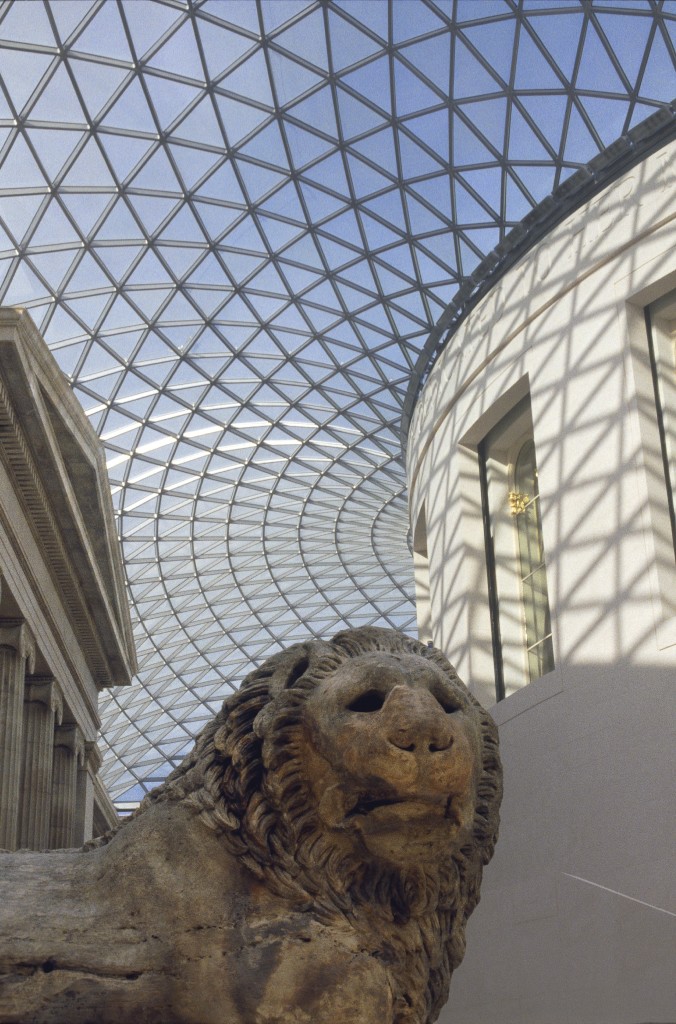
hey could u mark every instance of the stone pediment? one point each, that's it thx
(56, 464)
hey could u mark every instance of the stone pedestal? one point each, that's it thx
(16, 649)
(68, 751)
(42, 707)
(84, 799)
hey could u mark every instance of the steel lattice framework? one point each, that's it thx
(236, 223)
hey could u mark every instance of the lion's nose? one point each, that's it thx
(416, 722)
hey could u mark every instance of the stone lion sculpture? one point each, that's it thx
(313, 860)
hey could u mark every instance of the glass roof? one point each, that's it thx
(236, 223)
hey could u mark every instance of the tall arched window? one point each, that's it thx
(521, 628)
(525, 502)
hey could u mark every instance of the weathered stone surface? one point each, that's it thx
(313, 860)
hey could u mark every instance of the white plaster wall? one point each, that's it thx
(577, 923)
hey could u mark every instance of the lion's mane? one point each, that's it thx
(244, 780)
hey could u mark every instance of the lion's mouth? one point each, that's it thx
(368, 804)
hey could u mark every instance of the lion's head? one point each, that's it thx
(358, 775)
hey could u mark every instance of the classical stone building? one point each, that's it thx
(541, 467)
(65, 630)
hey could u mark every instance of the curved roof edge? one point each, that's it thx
(623, 154)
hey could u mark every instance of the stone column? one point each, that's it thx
(16, 649)
(42, 705)
(68, 750)
(84, 802)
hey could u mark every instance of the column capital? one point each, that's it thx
(92, 757)
(70, 737)
(44, 689)
(15, 633)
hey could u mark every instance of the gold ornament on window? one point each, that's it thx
(518, 502)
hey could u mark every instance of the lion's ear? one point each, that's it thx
(286, 668)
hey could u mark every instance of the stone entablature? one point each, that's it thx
(65, 629)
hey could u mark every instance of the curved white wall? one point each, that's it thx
(577, 923)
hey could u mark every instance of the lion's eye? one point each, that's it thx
(369, 701)
(449, 704)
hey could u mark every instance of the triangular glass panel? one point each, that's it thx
(35, 30)
(221, 46)
(306, 146)
(192, 163)
(373, 80)
(19, 169)
(433, 130)
(62, 326)
(379, 149)
(377, 235)
(89, 167)
(307, 39)
(119, 224)
(179, 258)
(412, 95)
(118, 258)
(437, 192)
(609, 117)
(410, 20)
(200, 125)
(147, 23)
(105, 35)
(595, 70)
(250, 79)
(179, 51)
(54, 147)
(422, 219)
(290, 79)
(517, 206)
(21, 287)
(580, 146)
(259, 180)
(18, 211)
(355, 117)
(532, 68)
(223, 185)
(152, 210)
(495, 42)
(157, 173)
(331, 173)
(131, 110)
(389, 207)
(53, 224)
(365, 179)
(169, 98)
(549, 113)
(560, 32)
(148, 300)
(239, 119)
(88, 309)
(317, 111)
(278, 232)
(124, 152)
(24, 70)
(433, 58)
(628, 36)
(53, 267)
(470, 77)
(659, 69)
(348, 44)
(87, 274)
(58, 101)
(488, 117)
(320, 204)
(523, 142)
(267, 146)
